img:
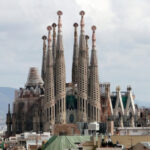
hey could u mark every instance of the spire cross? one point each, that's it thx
(93, 37)
(82, 13)
(49, 28)
(59, 13)
(75, 29)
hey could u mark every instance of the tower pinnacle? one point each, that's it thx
(44, 58)
(93, 37)
(54, 25)
(93, 55)
(49, 28)
(87, 38)
(44, 38)
(82, 13)
(59, 13)
(75, 31)
(54, 41)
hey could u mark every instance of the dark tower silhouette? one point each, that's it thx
(9, 122)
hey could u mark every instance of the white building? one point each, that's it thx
(133, 130)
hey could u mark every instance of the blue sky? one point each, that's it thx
(123, 39)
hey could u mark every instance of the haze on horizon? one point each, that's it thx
(123, 39)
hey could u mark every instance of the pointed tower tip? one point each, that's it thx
(75, 25)
(93, 37)
(118, 88)
(44, 37)
(49, 28)
(75, 30)
(86, 37)
(82, 13)
(54, 25)
(129, 88)
(93, 28)
(59, 13)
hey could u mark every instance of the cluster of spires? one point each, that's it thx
(85, 75)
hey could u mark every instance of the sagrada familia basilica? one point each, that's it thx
(47, 100)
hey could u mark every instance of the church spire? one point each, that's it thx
(94, 91)
(75, 55)
(60, 76)
(93, 55)
(44, 58)
(9, 122)
(54, 42)
(54, 48)
(82, 75)
(87, 57)
(49, 52)
(59, 13)
(82, 13)
(82, 43)
(87, 49)
(49, 86)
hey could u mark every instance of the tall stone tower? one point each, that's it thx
(49, 103)
(54, 47)
(119, 108)
(94, 89)
(75, 56)
(60, 76)
(82, 75)
(43, 73)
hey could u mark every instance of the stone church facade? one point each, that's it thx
(48, 100)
